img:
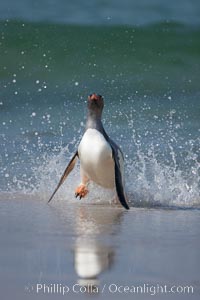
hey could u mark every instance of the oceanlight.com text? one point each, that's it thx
(110, 288)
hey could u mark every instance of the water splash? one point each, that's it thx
(162, 163)
(149, 181)
(164, 171)
(152, 183)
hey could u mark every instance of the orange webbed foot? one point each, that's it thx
(81, 191)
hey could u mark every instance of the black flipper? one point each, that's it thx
(66, 173)
(118, 178)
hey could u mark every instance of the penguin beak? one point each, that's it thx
(94, 97)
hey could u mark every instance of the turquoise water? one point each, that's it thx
(148, 70)
(102, 12)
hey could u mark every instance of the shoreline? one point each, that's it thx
(91, 244)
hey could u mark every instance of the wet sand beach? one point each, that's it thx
(47, 249)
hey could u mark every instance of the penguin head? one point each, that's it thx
(95, 103)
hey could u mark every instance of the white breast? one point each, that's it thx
(96, 159)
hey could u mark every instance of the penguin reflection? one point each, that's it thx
(92, 254)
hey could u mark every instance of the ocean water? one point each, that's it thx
(143, 58)
(102, 12)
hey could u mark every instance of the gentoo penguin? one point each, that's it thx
(101, 160)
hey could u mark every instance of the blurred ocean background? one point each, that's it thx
(142, 56)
